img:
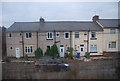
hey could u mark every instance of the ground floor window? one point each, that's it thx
(112, 44)
(28, 49)
(93, 48)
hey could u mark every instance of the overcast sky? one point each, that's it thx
(51, 11)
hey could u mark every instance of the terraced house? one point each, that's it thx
(84, 36)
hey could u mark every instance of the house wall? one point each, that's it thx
(16, 42)
(98, 42)
(107, 37)
(43, 42)
(82, 40)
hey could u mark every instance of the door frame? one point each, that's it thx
(82, 53)
(17, 52)
(62, 55)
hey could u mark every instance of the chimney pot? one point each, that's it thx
(42, 20)
(95, 18)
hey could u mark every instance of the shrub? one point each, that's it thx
(48, 51)
(87, 54)
(70, 50)
(7, 59)
(54, 50)
(38, 53)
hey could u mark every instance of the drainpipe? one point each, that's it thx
(37, 39)
(23, 42)
(88, 41)
(54, 36)
(70, 38)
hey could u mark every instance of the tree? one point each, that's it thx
(48, 51)
(38, 53)
(70, 51)
(54, 50)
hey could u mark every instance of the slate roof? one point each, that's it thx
(51, 26)
(109, 23)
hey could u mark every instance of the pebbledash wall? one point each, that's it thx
(96, 46)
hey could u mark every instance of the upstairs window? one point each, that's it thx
(49, 35)
(93, 35)
(66, 35)
(57, 34)
(112, 31)
(9, 35)
(76, 34)
(112, 44)
(85, 33)
(28, 49)
(28, 35)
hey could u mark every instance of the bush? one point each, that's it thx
(54, 50)
(48, 51)
(7, 59)
(38, 53)
(70, 50)
(87, 54)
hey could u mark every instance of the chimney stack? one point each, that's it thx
(41, 20)
(95, 18)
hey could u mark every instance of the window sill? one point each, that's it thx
(49, 39)
(93, 52)
(67, 38)
(93, 38)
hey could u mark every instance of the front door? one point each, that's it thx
(17, 53)
(61, 51)
(81, 50)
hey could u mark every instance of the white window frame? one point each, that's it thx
(28, 48)
(48, 37)
(112, 31)
(93, 46)
(58, 34)
(110, 42)
(68, 35)
(9, 35)
(28, 35)
(77, 34)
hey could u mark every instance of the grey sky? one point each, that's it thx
(67, 11)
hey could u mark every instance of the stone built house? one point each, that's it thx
(96, 37)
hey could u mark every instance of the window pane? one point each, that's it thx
(26, 35)
(26, 49)
(10, 35)
(112, 31)
(76, 34)
(31, 49)
(66, 35)
(93, 35)
(30, 35)
(93, 48)
(57, 34)
(113, 45)
(50, 35)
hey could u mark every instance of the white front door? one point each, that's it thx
(61, 51)
(17, 53)
(81, 50)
